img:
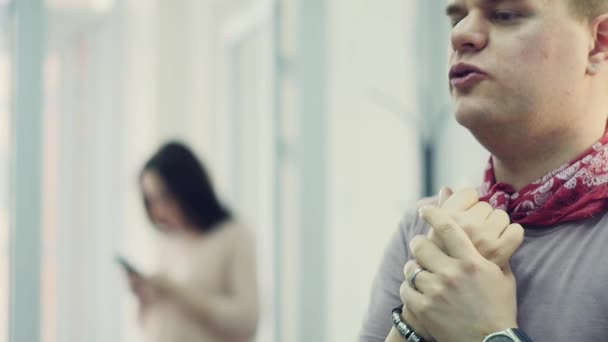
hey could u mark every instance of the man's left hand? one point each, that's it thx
(460, 296)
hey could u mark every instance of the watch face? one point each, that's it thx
(500, 338)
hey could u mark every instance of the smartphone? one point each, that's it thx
(127, 266)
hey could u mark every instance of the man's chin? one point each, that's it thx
(473, 116)
(467, 112)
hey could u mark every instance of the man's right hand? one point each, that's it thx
(489, 229)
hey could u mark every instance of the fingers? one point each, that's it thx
(488, 230)
(499, 250)
(428, 255)
(456, 241)
(427, 201)
(514, 233)
(439, 200)
(485, 232)
(496, 223)
(473, 218)
(460, 201)
(423, 281)
(484, 225)
(463, 200)
(444, 194)
(413, 300)
(510, 240)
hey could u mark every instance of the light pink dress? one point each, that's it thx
(220, 267)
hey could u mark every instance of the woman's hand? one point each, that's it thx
(149, 290)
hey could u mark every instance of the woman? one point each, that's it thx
(205, 288)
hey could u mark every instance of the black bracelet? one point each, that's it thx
(402, 327)
(522, 335)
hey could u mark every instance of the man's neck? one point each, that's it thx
(532, 163)
(527, 153)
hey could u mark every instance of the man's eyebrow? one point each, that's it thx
(453, 9)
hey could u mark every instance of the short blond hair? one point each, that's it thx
(588, 9)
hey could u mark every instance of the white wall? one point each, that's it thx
(374, 152)
(5, 149)
(461, 160)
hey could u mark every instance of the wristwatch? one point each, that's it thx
(509, 335)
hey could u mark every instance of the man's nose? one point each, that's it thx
(470, 34)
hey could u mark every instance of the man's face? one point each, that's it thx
(517, 63)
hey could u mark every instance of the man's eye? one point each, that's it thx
(505, 17)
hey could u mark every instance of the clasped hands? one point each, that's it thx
(463, 288)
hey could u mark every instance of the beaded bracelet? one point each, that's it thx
(402, 327)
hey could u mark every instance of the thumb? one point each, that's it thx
(444, 193)
(456, 241)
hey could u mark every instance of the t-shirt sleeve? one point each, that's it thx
(385, 288)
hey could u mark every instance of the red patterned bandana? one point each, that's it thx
(573, 192)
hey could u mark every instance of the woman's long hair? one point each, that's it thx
(187, 181)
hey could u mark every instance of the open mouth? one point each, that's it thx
(463, 76)
(464, 70)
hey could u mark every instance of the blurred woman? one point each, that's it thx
(205, 289)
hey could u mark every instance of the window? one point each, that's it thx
(5, 140)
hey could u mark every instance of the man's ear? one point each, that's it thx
(599, 53)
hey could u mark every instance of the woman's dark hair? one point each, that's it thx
(188, 182)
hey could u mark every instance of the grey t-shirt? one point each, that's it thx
(562, 281)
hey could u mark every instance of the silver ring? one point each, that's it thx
(413, 278)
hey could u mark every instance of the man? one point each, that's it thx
(529, 79)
